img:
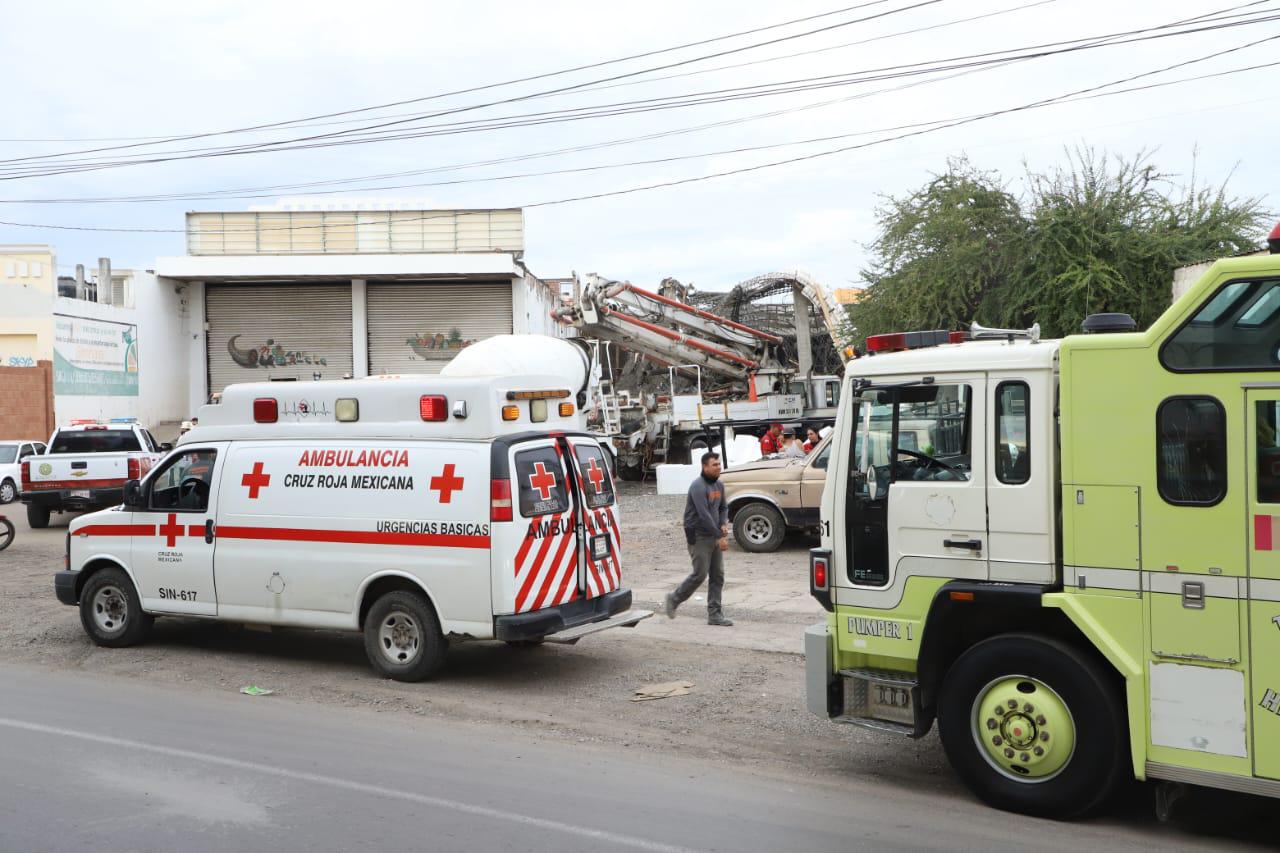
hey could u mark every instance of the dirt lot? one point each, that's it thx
(747, 709)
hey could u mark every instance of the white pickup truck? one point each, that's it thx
(85, 467)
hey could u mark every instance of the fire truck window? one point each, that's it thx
(596, 484)
(1191, 448)
(540, 481)
(1268, 451)
(1238, 328)
(1013, 457)
(184, 483)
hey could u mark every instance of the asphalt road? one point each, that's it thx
(111, 763)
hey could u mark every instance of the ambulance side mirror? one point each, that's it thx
(133, 493)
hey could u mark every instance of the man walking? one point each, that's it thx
(706, 529)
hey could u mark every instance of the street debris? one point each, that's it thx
(255, 690)
(665, 690)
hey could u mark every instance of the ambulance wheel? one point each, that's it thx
(759, 528)
(402, 637)
(111, 611)
(1033, 725)
(37, 516)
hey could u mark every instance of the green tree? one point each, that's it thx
(1097, 234)
(1105, 234)
(943, 253)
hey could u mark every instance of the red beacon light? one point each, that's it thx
(898, 341)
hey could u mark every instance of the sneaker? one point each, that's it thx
(669, 605)
(719, 620)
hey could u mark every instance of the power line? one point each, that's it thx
(713, 97)
(1077, 95)
(544, 93)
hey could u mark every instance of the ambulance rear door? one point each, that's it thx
(602, 554)
(537, 553)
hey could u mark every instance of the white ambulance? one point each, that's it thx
(420, 510)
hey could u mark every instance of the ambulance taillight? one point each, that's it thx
(265, 410)
(500, 500)
(433, 407)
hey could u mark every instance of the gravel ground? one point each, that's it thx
(747, 709)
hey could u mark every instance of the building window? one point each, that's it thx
(1191, 451)
(1013, 444)
(1238, 328)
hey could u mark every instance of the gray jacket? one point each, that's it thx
(704, 510)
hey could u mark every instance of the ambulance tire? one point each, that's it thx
(1097, 762)
(111, 611)
(37, 516)
(402, 637)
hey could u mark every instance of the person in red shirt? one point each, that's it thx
(771, 442)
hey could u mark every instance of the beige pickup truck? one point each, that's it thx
(769, 497)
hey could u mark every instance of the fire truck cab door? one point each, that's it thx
(938, 498)
(1263, 441)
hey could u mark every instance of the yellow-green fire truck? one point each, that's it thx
(1067, 553)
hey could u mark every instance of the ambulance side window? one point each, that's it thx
(184, 483)
(540, 481)
(595, 476)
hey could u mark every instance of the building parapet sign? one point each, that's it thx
(94, 357)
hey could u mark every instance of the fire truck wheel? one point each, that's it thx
(111, 611)
(402, 637)
(1033, 725)
(759, 528)
(37, 516)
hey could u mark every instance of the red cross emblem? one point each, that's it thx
(595, 475)
(446, 484)
(542, 480)
(171, 530)
(255, 480)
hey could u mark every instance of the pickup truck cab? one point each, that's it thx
(85, 467)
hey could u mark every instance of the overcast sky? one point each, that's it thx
(80, 71)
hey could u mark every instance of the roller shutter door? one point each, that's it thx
(418, 328)
(261, 332)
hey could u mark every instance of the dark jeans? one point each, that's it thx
(708, 561)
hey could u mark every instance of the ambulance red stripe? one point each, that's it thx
(612, 573)
(569, 586)
(354, 537)
(554, 574)
(116, 530)
(525, 587)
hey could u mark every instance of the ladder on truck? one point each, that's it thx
(605, 396)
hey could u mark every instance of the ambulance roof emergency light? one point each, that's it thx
(896, 341)
(265, 410)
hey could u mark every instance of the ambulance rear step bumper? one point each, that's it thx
(539, 624)
(622, 620)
